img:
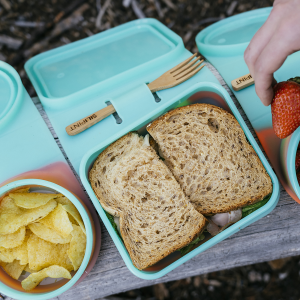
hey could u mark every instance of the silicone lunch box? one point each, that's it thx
(78, 79)
(204, 92)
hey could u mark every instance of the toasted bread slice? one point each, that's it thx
(206, 150)
(156, 218)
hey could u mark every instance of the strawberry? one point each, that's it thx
(286, 107)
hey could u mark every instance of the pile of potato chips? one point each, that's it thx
(42, 234)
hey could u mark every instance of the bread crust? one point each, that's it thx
(113, 211)
(160, 125)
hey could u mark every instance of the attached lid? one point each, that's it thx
(231, 36)
(102, 62)
(11, 92)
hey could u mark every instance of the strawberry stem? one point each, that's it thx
(295, 79)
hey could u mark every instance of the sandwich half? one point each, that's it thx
(131, 182)
(206, 150)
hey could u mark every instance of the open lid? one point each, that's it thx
(231, 36)
(102, 62)
(11, 93)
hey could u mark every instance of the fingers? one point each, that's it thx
(269, 48)
(270, 59)
(260, 40)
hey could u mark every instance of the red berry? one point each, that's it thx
(286, 108)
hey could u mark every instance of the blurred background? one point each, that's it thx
(29, 27)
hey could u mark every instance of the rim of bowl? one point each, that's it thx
(291, 158)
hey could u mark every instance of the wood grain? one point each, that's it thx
(180, 73)
(90, 120)
(242, 82)
(274, 236)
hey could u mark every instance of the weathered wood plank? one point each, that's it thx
(271, 237)
(111, 276)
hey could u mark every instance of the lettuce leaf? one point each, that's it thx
(253, 207)
(114, 225)
(187, 248)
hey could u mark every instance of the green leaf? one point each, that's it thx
(187, 248)
(253, 207)
(114, 225)
(184, 103)
(295, 79)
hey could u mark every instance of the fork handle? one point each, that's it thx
(90, 120)
(242, 82)
(101, 114)
(152, 86)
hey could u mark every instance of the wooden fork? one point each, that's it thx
(171, 78)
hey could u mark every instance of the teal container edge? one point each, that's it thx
(290, 161)
(89, 234)
(10, 77)
(91, 155)
(240, 20)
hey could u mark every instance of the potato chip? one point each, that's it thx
(23, 190)
(13, 217)
(63, 200)
(59, 221)
(54, 272)
(13, 269)
(72, 220)
(48, 234)
(32, 200)
(8, 206)
(42, 254)
(77, 246)
(72, 210)
(27, 269)
(20, 252)
(13, 240)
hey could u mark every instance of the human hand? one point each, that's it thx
(271, 45)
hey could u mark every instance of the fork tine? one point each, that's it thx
(194, 67)
(182, 63)
(182, 69)
(189, 75)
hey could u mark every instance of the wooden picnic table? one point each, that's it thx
(272, 237)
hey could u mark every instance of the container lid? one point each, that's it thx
(232, 35)
(11, 93)
(103, 61)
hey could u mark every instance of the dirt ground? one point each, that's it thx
(29, 27)
(275, 280)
